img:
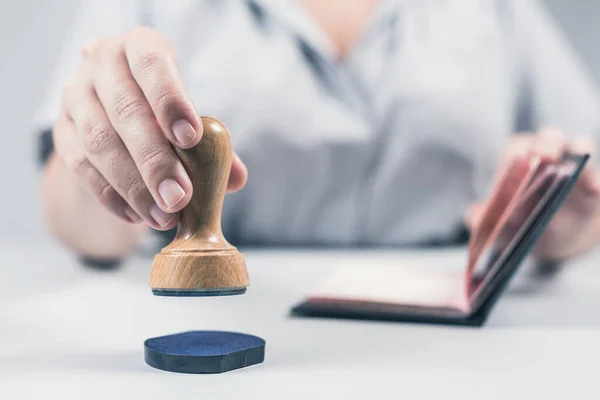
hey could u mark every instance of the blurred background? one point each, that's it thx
(31, 33)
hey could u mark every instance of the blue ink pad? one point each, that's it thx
(204, 352)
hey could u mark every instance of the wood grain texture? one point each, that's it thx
(199, 257)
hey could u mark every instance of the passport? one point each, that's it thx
(520, 207)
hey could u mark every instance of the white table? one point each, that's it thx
(72, 333)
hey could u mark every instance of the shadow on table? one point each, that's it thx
(538, 298)
(104, 361)
(556, 311)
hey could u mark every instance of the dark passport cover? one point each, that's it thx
(520, 208)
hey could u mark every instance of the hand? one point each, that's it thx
(121, 111)
(576, 226)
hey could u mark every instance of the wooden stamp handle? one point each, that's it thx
(208, 165)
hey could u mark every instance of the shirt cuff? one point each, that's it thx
(45, 147)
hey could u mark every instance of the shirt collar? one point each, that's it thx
(293, 17)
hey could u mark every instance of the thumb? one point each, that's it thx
(238, 175)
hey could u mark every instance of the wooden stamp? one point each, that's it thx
(199, 261)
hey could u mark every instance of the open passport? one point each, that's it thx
(521, 205)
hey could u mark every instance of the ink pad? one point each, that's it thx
(204, 352)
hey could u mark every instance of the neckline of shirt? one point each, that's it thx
(294, 17)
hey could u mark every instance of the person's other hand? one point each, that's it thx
(574, 228)
(121, 111)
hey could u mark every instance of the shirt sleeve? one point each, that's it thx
(93, 18)
(556, 88)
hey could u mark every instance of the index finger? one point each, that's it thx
(153, 64)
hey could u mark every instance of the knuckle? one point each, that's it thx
(127, 105)
(135, 189)
(150, 61)
(79, 165)
(169, 100)
(151, 160)
(91, 47)
(105, 193)
(76, 83)
(98, 138)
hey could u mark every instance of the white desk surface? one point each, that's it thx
(71, 333)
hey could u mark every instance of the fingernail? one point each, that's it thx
(162, 218)
(170, 192)
(184, 132)
(132, 215)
